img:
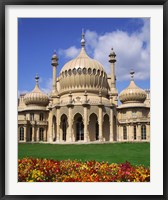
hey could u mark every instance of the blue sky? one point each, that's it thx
(39, 37)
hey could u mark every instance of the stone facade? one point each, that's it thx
(83, 106)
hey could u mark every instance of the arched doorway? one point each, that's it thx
(93, 127)
(114, 129)
(30, 136)
(106, 128)
(79, 127)
(54, 128)
(64, 127)
(41, 134)
(21, 136)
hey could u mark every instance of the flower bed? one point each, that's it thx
(44, 170)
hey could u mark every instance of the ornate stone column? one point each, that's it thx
(111, 125)
(100, 120)
(148, 132)
(33, 134)
(37, 138)
(130, 133)
(69, 131)
(85, 105)
(25, 133)
(49, 138)
(86, 138)
(45, 135)
(139, 132)
(58, 124)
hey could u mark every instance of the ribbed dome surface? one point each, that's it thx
(36, 97)
(132, 94)
(83, 73)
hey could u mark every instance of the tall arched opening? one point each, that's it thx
(93, 127)
(106, 128)
(54, 128)
(114, 129)
(78, 127)
(64, 125)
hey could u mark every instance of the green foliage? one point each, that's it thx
(135, 153)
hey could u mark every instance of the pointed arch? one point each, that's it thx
(54, 128)
(93, 127)
(78, 127)
(64, 125)
(106, 127)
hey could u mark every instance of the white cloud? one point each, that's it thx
(132, 50)
(71, 52)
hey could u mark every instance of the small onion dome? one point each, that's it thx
(132, 94)
(36, 96)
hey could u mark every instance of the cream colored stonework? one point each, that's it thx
(83, 106)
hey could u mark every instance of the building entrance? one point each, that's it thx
(79, 129)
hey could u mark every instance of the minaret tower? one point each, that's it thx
(113, 90)
(54, 63)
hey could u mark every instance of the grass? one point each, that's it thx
(135, 153)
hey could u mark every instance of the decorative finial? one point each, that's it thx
(37, 78)
(132, 74)
(83, 39)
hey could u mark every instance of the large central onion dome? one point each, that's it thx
(132, 94)
(83, 74)
(36, 96)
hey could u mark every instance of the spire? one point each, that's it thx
(83, 39)
(37, 78)
(132, 74)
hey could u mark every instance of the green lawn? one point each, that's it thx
(135, 153)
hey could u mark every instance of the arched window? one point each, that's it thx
(41, 116)
(79, 70)
(64, 129)
(69, 72)
(143, 132)
(31, 116)
(134, 132)
(79, 129)
(89, 71)
(21, 136)
(94, 71)
(125, 133)
(41, 136)
(74, 71)
(30, 137)
(84, 70)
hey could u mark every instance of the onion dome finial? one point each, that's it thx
(36, 78)
(83, 39)
(132, 74)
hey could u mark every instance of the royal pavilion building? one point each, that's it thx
(83, 106)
